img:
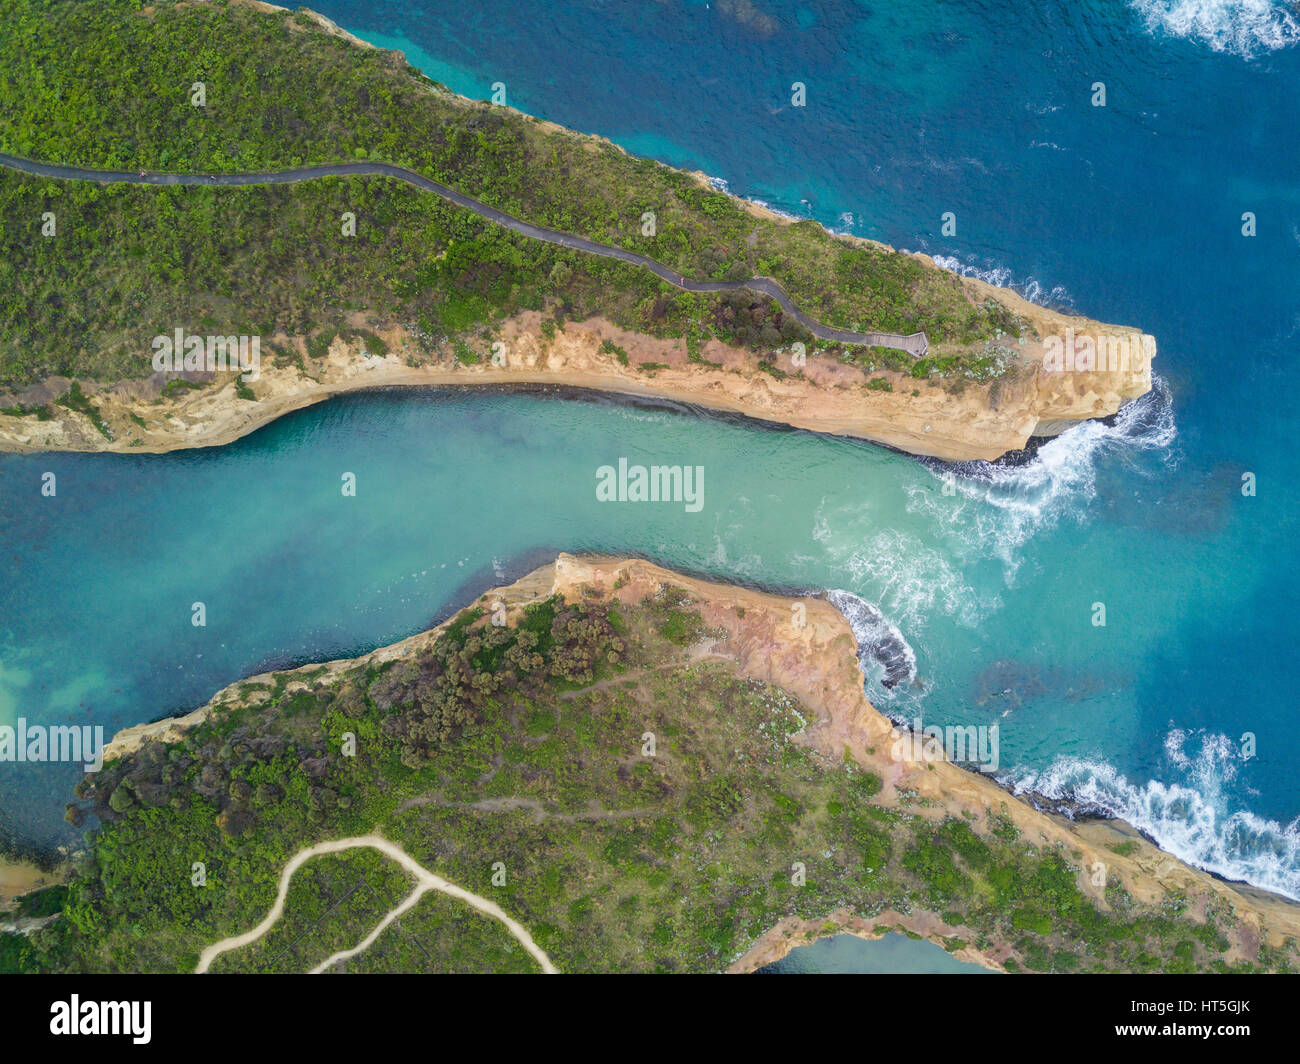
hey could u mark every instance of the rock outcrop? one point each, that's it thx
(811, 653)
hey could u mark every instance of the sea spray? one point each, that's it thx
(1032, 289)
(1244, 27)
(879, 642)
(994, 509)
(1189, 819)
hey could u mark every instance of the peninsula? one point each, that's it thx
(605, 765)
(371, 228)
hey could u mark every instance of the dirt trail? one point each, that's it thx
(425, 882)
(697, 657)
(509, 804)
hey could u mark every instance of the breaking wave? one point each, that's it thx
(720, 184)
(1190, 819)
(883, 652)
(1243, 27)
(911, 582)
(1033, 290)
(999, 507)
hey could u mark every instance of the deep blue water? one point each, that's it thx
(1129, 213)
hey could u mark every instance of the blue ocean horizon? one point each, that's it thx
(1130, 213)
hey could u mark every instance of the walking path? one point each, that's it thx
(509, 804)
(914, 344)
(425, 882)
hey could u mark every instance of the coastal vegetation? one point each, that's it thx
(112, 83)
(513, 761)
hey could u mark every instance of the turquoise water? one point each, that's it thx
(893, 954)
(456, 491)
(1129, 213)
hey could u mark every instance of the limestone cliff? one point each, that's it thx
(816, 662)
(952, 422)
(953, 419)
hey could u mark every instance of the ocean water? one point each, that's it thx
(893, 954)
(1131, 212)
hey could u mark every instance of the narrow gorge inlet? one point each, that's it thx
(703, 486)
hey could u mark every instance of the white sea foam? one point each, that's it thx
(995, 509)
(1191, 818)
(724, 557)
(720, 184)
(885, 655)
(1243, 27)
(1032, 289)
(911, 581)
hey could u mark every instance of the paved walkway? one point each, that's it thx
(915, 344)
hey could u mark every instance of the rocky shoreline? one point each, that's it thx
(935, 419)
(817, 663)
(952, 419)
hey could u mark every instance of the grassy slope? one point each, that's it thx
(442, 934)
(101, 83)
(332, 904)
(616, 861)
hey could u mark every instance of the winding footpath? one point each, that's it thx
(424, 879)
(914, 344)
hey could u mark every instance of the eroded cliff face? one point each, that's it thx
(1079, 368)
(956, 422)
(816, 662)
